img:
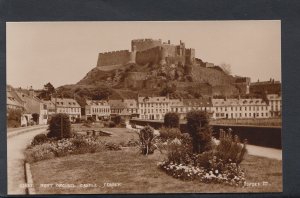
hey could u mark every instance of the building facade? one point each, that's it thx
(183, 106)
(68, 106)
(97, 109)
(275, 104)
(240, 108)
(153, 108)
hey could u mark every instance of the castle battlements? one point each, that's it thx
(147, 50)
(115, 52)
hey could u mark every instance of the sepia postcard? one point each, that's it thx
(144, 107)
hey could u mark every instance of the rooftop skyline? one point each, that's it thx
(63, 52)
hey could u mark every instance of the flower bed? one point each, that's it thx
(78, 144)
(220, 164)
(231, 173)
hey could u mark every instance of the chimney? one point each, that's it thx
(31, 92)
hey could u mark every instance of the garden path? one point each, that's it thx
(15, 158)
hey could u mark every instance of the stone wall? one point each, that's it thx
(135, 79)
(144, 44)
(113, 58)
(153, 55)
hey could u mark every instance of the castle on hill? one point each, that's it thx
(144, 51)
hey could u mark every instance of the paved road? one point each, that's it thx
(15, 158)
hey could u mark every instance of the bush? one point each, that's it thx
(39, 139)
(14, 118)
(119, 121)
(91, 119)
(13, 124)
(218, 165)
(111, 124)
(146, 137)
(230, 149)
(60, 127)
(35, 117)
(169, 133)
(171, 120)
(198, 128)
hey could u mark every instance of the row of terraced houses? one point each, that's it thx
(146, 108)
(155, 107)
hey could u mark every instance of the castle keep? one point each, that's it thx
(149, 51)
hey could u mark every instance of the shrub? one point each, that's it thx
(60, 126)
(198, 128)
(119, 121)
(35, 117)
(171, 120)
(219, 165)
(169, 133)
(230, 149)
(111, 124)
(39, 139)
(14, 118)
(146, 137)
(91, 119)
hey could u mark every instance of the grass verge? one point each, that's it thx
(127, 171)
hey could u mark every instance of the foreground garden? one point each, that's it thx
(120, 160)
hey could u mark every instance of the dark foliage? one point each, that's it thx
(171, 120)
(35, 117)
(169, 133)
(198, 128)
(146, 140)
(60, 126)
(39, 139)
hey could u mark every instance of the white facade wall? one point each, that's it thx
(240, 109)
(153, 108)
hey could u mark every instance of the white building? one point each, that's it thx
(68, 106)
(275, 105)
(98, 109)
(33, 105)
(240, 108)
(183, 106)
(153, 108)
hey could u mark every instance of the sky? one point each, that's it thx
(63, 52)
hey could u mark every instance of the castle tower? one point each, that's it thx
(133, 55)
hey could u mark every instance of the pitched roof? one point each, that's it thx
(11, 100)
(197, 102)
(97, 102)
(238, 102)
(117, 104)
(65, 102)
(153, 99)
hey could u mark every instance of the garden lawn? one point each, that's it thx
(136, 173)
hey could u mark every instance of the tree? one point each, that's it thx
(169, 89)
(226, 68)
(198, 128)
(171, 120)
(146, 139)
(35, 117)
(101, 93)
(60, 126)
(47, 92)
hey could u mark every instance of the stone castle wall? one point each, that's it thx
(152, 56)
(144, 44)
(113, 58)
(145, 51)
